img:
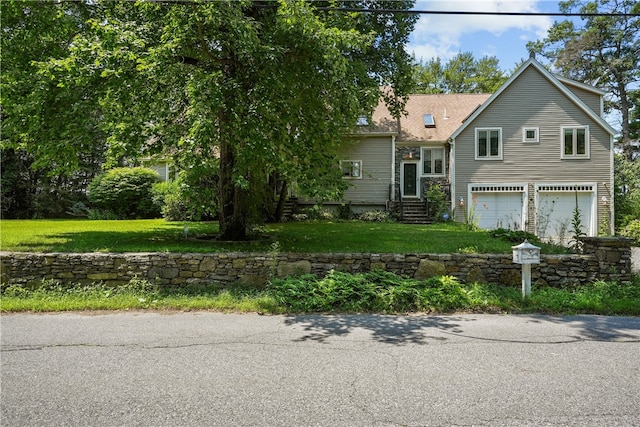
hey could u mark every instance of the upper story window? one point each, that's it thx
(530, 134)
(575, 142)
(351, 169)
(433, 161)
(488, 143)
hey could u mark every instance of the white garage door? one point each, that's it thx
(555, 209)
(498, 206)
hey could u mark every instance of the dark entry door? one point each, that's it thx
(410, 175)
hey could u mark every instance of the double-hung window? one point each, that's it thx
(488, 143)
(351, 169)
(575, 142)
(433, 161)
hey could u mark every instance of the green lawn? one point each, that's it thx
(325, 236)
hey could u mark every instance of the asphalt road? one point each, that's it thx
(205, 369)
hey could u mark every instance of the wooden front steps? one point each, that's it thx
(290, 206)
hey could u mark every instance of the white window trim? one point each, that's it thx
(587, 137)
(530, 140)
(500, 145)
(444, 164)
(350, 176)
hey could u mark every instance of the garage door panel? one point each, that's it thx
(554, 215)
(498, 210)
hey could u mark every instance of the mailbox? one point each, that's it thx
(526, 253)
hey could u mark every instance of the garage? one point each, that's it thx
(555, 207)
(498, 206)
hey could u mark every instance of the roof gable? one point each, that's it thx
(554, 81)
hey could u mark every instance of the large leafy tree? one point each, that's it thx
(599, 50)
(253, 87)
(461, 74)
(33, 183)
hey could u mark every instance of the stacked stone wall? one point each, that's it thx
(602, 260)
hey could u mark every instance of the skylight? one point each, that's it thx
(429, 121)
(363, 121)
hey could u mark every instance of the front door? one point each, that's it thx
(409, 180)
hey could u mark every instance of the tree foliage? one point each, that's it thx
(603, 51)
(462, 74)
(627, 190)
(126, 192)
(46, 164)
(266, 87)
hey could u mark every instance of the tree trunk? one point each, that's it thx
(281, 201)
(625, 139)
(233, 212)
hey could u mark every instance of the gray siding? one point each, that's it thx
(376, 156)
(591, 99)
(531, 101)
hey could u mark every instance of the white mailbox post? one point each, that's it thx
(526, 254)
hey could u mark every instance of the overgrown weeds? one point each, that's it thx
(337, 292)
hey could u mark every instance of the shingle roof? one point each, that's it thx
(449, 111)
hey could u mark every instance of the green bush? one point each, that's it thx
(375, 216)
(345, 211)
(178, 201)
(376, 291)
(514, 236)
(126, 192)
(166, 196)
(437, 202)
(317, 212)
(632, 230)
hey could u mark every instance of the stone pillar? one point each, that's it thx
(613, 255)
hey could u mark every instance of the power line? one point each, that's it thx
(461, 12)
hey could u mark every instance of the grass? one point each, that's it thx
(311, 236)
(374, 292)
(138, 295)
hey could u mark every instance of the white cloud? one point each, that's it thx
(440, 35)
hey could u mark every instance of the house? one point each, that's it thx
(522, 158)
(533, 152)
(394, 162)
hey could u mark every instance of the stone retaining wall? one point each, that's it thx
(602, 260)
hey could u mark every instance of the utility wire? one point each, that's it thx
(460, 12)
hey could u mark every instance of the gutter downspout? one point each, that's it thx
(452, 174)
(393, 168)
(611, 189)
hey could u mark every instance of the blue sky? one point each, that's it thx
(504, 37)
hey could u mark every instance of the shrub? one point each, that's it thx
(375, 291)
(127, 192)
(167, 197)
(375, 216)
(317, 212)
(514, 236)
(437, 202)
(345, 211)
(632, 230)
(178, 200)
